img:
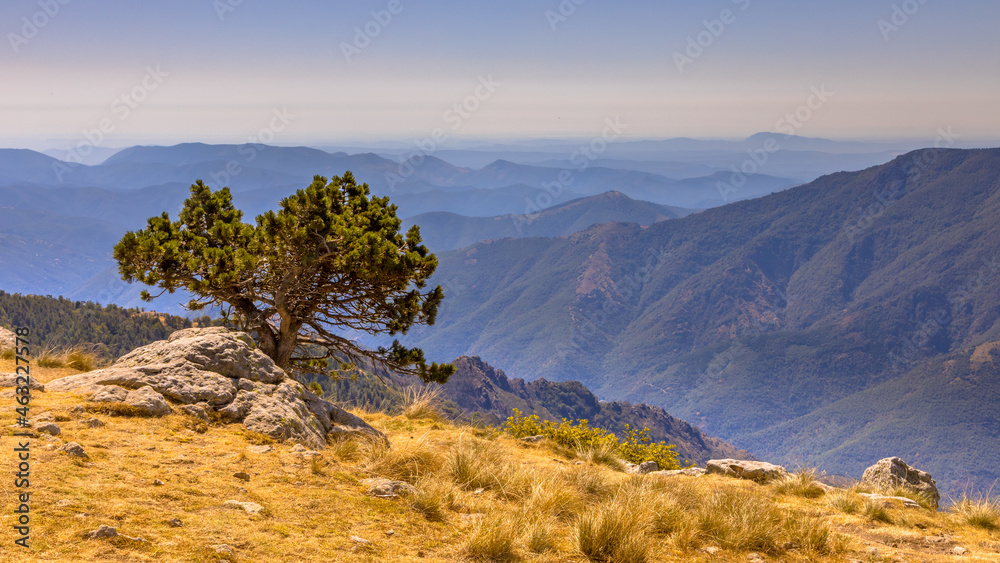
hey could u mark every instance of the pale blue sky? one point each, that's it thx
(226, 76)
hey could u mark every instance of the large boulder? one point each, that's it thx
(222, 371)
(891, 473)
(759, 471)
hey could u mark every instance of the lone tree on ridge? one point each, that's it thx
(330, 259)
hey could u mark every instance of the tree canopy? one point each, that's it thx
(330, 259)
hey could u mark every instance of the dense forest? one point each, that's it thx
(106, 331)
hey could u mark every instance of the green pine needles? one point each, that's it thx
(330, 259)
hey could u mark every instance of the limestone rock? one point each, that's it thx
(759, 471)
(8, 340)
(217, 369)
(387, 488)
(74, 449)
(223, 549)
(889, 501)
(688, 471)
(148, 402)
(48, 428)
(93, 423)
(533, 439)
(893, 472)
(10, 380)
(104, 531)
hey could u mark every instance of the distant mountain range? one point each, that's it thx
(447, 231)
(849, 319)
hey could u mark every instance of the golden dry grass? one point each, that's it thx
(481, 497)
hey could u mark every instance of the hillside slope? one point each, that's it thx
(746, 318)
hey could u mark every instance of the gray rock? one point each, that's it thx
(959, 550)
(148, 402)
(223, 549)
(260, 449)
(74, 449)
(103, 531)
(8, 339)
(387, 488)
(44, 417)
(688, 471)
(892, 472)
(533, 439)
(215, 368)
(157, 483)
(197, 411)
(50, 428)
(109, 394)
(93, 423)
(176, 523)
(647, 467)
(358, 540)
(250, 508)
(10, 380)
(242, 475)
(889, 501)
(759, 471)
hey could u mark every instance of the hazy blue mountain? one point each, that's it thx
(447, 231)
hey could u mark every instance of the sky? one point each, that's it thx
(313, 72)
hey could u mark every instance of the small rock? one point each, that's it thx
(888, 501)
(755, 557)
(872, 550)
(74, 449)
(242, 475)
(157, 483)
(93, 423)
(298, 448)
(478, 491)
(78, 409)
(196, 411)
(103, 531)
(533, 439)
(176, 523)
(893, 472)
(64, 502)
(710, 550)
(390, 533)
(387, 488)
(647, 467)
(251, 508)
(222, 549)
(360, 541)
(148, 401)
(50, 428)
(260, 449)
(44, 417)
(959, 550)
(243, 490)
(758, 471)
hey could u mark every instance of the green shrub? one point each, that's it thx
(636, 447)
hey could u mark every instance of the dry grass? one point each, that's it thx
(802, 484)
(978, 511)
(535, 505)
(422, 403)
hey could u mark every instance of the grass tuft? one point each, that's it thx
(492, 539)
(421, 403)
(979, 511)
(614, 531)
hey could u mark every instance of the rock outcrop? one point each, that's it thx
(216, 370)
(759, 471)
(892, 472)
